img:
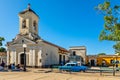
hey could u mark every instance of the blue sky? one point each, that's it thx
(62, 22)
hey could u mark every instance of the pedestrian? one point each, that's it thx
(3, 64)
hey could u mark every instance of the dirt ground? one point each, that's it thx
(46, 74)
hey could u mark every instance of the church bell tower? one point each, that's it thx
(28, 23)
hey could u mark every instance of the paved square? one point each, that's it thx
(39, 74)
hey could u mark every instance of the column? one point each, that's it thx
(15, 57)
(19, 58)
(27, 59)
(30, 58)
(11, 54)
(33, 53)
(39, 58)
(8, 56)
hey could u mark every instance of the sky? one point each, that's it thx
(63, 22)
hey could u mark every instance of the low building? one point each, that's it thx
(102, 60)
(78, 54)
(3, 57)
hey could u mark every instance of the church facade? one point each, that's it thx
(39, 52)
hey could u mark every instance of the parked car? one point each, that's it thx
(73, 67)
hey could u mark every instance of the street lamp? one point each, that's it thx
(116, 62)
(24, 46)
(113, 66)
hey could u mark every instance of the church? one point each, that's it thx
(38, 52)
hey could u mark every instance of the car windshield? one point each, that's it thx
(71, 64)
(68, 65)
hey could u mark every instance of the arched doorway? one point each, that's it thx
(92, 62)
(22, 58)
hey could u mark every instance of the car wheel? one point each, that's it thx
(84, 70)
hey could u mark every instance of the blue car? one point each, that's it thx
(73, 67)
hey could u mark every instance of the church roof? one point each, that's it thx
(60, 48)
(28, 10)
(18, 37)
(77, 47)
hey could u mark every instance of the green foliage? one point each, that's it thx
(102, 54)
(106, 5)
(2, 49)
(111, 30)
(1, 39)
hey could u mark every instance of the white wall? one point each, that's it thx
(50, 54)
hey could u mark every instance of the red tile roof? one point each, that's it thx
(3, 54)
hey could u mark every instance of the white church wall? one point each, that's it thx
(51, 55)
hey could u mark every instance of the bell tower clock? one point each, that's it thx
(28, 22)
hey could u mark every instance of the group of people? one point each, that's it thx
(10, 67)
(2, 65)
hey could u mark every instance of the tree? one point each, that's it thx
(102, 54)
(2, 49)
(1, 39)
(111, 30)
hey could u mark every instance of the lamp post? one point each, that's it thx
(24, 46)
(116, 63)
(113, 66)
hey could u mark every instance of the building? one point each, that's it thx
(39, 52)
(102, 60)
(3, 57)
(78, 54)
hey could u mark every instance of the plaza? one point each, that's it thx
(52, 33)
(42, 74)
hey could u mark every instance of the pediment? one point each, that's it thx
(22, 40)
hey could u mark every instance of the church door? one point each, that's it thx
(22, 59)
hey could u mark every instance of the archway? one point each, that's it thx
(22, 58)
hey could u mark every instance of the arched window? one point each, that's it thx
(24, 24)
(34, 25)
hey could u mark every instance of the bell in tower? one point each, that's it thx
(28, 21)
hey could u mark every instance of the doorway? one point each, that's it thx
(92, 62)
(22, 58)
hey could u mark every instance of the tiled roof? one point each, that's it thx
(103, 55)
(60, 48)
(28, 10)
(3, 54)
